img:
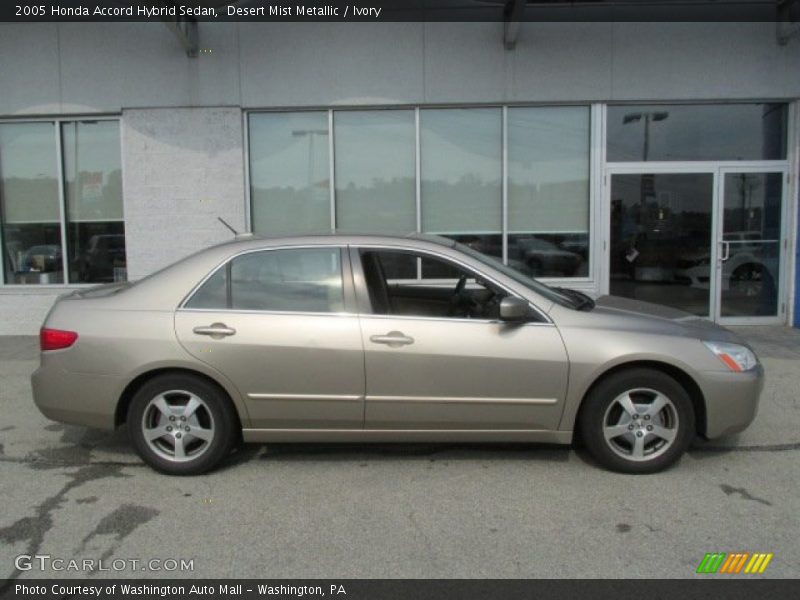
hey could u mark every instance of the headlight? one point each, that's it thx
(735, 356)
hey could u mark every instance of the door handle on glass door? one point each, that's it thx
(726, 251)
(394, 339)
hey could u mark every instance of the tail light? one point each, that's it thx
(56, 339)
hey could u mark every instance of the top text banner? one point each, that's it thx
(399, 10)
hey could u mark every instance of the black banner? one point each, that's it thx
(400, 10)
(732, 588)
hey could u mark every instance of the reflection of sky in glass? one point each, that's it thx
(548, 169)
(461, 169)
(288, 149)
(375, 170)
(699, 132)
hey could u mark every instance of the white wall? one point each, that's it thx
(104, 67)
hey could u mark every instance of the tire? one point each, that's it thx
(166, 417)
(625, 444)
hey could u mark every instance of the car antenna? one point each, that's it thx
(224, 222)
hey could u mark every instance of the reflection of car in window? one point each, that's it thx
(43, 258)
(751, 265)
(103, 252)
(539, 257)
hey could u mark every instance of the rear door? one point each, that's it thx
(433, 364)
(280, 325)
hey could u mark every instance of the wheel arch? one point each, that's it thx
(123, 403)
(681, 376)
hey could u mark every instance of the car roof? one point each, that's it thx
(336, 237)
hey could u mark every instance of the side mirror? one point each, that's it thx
(513, 309)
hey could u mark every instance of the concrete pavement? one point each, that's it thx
(422, 510)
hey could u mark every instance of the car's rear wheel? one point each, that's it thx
(637, 421)
(181, 424)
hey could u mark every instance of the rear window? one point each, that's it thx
(290, 280)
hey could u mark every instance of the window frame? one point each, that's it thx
(348, 293)
(365, 304)
(56, 122)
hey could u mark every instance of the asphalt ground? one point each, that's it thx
(392, 510)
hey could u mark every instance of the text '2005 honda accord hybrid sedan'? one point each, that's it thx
(377, 338)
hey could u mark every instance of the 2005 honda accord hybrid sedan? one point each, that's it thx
(378, 338)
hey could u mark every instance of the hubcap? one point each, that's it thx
(177, 425)
(640, 424)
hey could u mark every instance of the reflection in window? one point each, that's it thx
(548, 191)
(752, 236)
(32, 246)
(297, 280)
(661, 238)
(375, 171)
(697, 132)
(461, 152)
(93, 190)
(289, 172)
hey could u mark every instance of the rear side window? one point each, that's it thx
(292, 280)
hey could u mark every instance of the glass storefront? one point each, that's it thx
(703, 230)
(455, 172)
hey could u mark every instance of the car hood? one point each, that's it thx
(646, 316)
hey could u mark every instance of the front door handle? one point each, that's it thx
(394, 339)
(216, 330)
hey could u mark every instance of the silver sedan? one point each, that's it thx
(378, 338)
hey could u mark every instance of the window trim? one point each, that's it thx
(348, 293)
(57, 122)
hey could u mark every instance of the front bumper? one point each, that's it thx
(731, 400)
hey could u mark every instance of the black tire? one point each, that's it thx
(216, 412)
(598, 411)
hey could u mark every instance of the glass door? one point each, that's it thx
(750, 250)
(661, 235)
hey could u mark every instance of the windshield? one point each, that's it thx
(551, 294)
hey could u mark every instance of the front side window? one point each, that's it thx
(291, 280)
(464, 296)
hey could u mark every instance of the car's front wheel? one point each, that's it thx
(181, 424)
(637, 421)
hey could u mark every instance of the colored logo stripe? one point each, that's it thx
(733, 563)
(758, 564)
(711, 562)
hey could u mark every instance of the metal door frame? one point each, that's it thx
(717, 169)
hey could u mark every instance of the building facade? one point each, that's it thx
(657, 161)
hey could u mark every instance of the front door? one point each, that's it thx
(709, 242)
(751, 246)
(438, 358)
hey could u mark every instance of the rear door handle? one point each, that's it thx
(215, 330)
(394, 339)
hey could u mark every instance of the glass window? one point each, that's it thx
(289, 172)
(548, 191)
(296, 280)
(93, 190)
(31, 216)
(465, 297)
(461, 154)
(213, 293)
(375, 171)
(697, 132)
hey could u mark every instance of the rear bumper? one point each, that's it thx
(74, 398)
(731, 400)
